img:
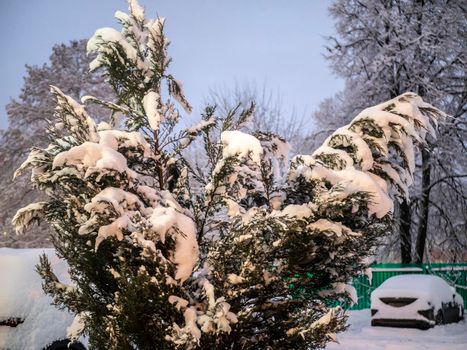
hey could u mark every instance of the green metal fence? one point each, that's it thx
(454, 274)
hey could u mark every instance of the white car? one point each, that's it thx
(419, 301)
(27, 318)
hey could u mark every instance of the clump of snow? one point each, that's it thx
(116, 139)
(179, 303)
(234, 279)
(343, 137)
(239, 144)
(151, 102)
(119, 199)
(345, 161)
(162, 220)
(300, 211)
(122, 16)
(95, 158)
(190, 333)
(242, 238)
(203, 124)
(332, 228)
(325, 319)
(76, 328)
(218, 317)
(186, 247)
(350, 181)
(24, 216)
(113, 200)
(233, 208)
(163, 217)
(154, 26)
(114, 229)
(350, 290)
(104, 36)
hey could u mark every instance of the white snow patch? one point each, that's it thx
(186, 247)
(350, 290)
(234, 279)
(24, 216)
(162, 220)
(352, 181)
(333, 228)
(94, 157)
(239, 144)
(118, 138)
(299, 211)
(361, 335)
(151, 102)
(106, 35)
(76, 328)
(179, 303)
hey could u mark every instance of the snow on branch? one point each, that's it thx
(27, 215)
(72, 116)
(374, 153)
(241, 145)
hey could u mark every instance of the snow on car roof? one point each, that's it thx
(415, 281)
(425, 287)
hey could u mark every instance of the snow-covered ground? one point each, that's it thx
(361, 336)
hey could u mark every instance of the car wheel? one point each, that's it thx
(63, 345)
(440, 318)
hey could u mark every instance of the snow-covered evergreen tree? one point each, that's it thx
(279, 240)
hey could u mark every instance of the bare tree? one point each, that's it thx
(384, 48)
(269, 114)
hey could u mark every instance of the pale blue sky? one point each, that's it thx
(214, 42)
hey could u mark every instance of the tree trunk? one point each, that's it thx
(424, 207)
(405, 211)
(405, 222)
(426, 168)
